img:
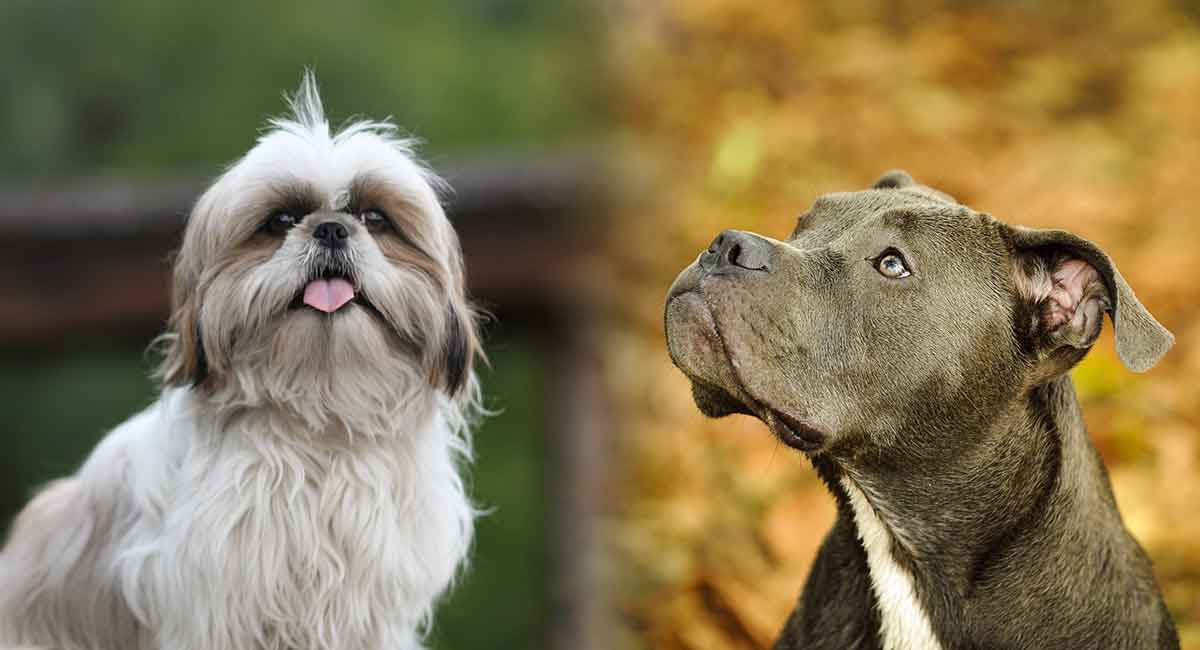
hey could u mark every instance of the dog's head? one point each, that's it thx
(320, 273)
(889, 307)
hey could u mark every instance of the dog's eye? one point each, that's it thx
(890, 264)
(280, 222)
(374, 220)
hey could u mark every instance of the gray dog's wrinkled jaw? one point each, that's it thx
(697, 348)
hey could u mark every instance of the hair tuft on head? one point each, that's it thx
(307, 111)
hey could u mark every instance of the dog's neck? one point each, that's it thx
(378, 419)
(941, 523)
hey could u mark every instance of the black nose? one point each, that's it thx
(331, 234)
(734, 249)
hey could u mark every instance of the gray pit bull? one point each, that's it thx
(917, 352)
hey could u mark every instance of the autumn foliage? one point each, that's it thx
(738, 114)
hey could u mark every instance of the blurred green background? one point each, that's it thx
(127, 89)
(158, 87)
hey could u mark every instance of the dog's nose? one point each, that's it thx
(331, 234)
(734, 249)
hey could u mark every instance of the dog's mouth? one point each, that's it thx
(792, 432)
(330, 291)
(717, 384)
(715, 401)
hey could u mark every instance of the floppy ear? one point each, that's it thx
(1068, 283)
(184, 361)
(455, 360)
(185, 358)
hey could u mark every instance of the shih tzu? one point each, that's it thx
(297, 484)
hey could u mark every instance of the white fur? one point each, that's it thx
(305, 492)
(902, 621)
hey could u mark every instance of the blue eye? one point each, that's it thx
(891, 265)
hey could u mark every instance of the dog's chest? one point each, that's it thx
(312, 545)
(903, 622)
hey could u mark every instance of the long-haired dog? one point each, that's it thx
(297, 484)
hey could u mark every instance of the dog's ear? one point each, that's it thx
(1066, 284)
(898, 179)
(454, 361)
(187, 357)
(893, 180)
(184, 361)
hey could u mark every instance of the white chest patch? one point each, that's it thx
(902, 621)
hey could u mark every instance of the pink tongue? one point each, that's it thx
(328, 295)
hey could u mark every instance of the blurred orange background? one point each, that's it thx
(736, 114)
